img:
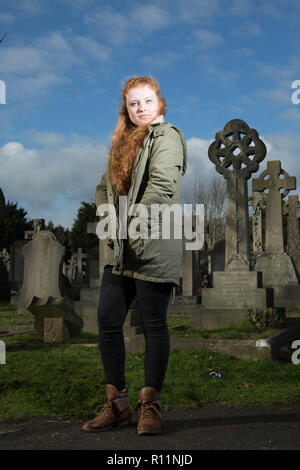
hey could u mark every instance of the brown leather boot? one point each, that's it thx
(115, 411)
(150, 411)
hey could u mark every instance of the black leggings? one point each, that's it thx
(116, 295)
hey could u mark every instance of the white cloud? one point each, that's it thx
(94, 49)
(149, 18)
(291, 115)
(241, 7)
(6, 18)
(247, 30)
(206, 39)
(50, 180)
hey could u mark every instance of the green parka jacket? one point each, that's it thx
(156, 177)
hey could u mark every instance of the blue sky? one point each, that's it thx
(63, 62)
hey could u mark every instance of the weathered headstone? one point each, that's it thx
(54, 314)
(257, 202)
(16, 272)
(271, 182)
(277, 267)
(291, 209)
(239, 147)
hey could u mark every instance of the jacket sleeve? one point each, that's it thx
(101, 192)
(165, 167)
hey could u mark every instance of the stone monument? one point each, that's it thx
(41, 295)
(236, 153)
(276, 265)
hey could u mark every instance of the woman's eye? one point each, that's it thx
(149, 101)
(133, 104)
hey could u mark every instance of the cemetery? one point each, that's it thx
(248, 277)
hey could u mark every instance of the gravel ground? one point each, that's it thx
(210, 427)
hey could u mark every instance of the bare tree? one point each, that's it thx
(212, 194)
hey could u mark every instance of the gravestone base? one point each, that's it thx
(277, 270)
(56, 330)
(204, 317)
(185, 299)
(237, 298)
(288, 297)
(55, 319)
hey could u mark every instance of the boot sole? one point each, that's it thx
(107, 428)
(145, 431)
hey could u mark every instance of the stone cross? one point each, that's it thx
(80, 257)
(239, 147)
(271, 181)
(291, 209)
(38, 225)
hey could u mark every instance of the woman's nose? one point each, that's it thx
(141, 106)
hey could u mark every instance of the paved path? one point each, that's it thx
(208, 427)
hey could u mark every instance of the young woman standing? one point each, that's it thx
(146, 162)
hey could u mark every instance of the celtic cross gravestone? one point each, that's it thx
(275, 183)
(236, 153)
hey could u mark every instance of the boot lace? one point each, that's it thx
(101, 408)
(147, 411)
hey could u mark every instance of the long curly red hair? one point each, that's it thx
(128, 138)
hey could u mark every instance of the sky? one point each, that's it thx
(63, 63)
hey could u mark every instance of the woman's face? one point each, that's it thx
(142, 105)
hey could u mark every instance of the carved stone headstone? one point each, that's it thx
(236, 153)
(54, 314)
(277, 267)
(271, 182)
(274, 184)
(291, 209)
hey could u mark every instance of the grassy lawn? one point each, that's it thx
(68, 380)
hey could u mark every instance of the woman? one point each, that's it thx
(146, 161)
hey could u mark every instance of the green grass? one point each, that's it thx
(68, 380)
